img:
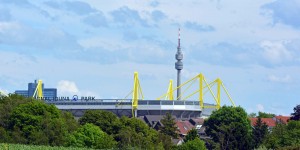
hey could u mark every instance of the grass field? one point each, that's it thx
(4, 146)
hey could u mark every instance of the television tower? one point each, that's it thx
(178, 65)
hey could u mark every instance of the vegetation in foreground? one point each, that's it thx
(32, 122)
(5, 146)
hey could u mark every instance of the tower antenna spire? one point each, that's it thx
(179, 37)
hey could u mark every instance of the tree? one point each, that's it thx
(229, 126)
(30, 118)
(30, 122)
(296, 114)
(107, 121)
(169, 126)
(252, 115)
(136, 134)
(4, 136)
(137, 125)
(284, 135)
(128, 138)
(259, 132)
(192, 134)
(195, 144)
(7, 104)
(91, 136)
(70, 121)
(265, 115)
(166, 140)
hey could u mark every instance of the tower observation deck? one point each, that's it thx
(178, 66)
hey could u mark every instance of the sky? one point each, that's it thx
(93, 47)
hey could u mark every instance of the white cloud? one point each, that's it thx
(189, 74)
(260, 107)
(67, 87)
(276, 52)
(89, 93)
(97, 42)
(150, 50)
(5, 26)
(283, 79)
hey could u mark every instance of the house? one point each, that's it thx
(178, 141)
(270, 122)
(281, 119)
(197, 122)
(184, 127)
(154, 121)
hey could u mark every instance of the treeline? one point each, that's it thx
(230, 128)
(33, 122)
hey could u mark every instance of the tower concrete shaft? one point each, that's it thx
(178, 65)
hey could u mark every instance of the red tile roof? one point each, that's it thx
(283, 119)
(269, 121)
(184, 127)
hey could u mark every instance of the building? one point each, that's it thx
(271, 122)
(184, 126)
(282, 119)
(49, 93)
(22, 92)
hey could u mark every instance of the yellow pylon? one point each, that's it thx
(169, 95)
(137, 90)
(202, 85)
(38, 93)
(3, 93)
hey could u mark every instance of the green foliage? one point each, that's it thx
(135, 124)
(252, 115)
(91, 136)
(27, 121)
(166, 140)
(4, 146)
(229, 126)
(36, 119)
(296, 114)
(107, 121)
(296, 147)
(169, 126)
(192, 134)
(127, 138)
(211, 145)
(284, 135)
(195, 144)
(7, 104)
(160, 146)
(135, 133)
(4, 135)
(70, 121)
(259, 132)
(128, 132)
(265, 115)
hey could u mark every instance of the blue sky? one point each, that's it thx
(93, 47)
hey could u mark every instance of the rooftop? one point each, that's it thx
(269, 121)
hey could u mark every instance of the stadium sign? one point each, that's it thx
(67, 98)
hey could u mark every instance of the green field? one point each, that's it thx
(4, 146)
